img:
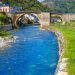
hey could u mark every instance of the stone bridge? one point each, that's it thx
(44, 17)
(65, 17)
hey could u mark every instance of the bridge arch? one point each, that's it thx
(19, 16)
(56, 18)
(43, 17)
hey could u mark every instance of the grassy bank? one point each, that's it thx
(5, 33)
(68, 30)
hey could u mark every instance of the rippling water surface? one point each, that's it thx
(35, 52)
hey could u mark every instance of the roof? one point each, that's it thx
(1, 4)
(4, 4)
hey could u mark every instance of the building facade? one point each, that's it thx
(4, 8)
(7, 8)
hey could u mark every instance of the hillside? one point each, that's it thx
(60, 0)
(55, 6)
(27, 5)
(61, 6)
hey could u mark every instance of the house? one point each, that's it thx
(7, 8)
(4, 7)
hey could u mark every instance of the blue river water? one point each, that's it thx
(34, 52)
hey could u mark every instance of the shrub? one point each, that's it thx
(30, 21)
(4, 33)
(4, 19)
(25, 22)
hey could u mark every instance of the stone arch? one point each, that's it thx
(17, 16)
(37, 15)
(56, 16)
(44, 17)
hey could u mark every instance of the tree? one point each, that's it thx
(27, 5)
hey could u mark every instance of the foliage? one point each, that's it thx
(25, 22)
(61, 6)
(68, 31)
(4, 19)
(27, 5)
(4, 33)
(28, 21)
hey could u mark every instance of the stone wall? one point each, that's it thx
(68, 17)
(65, 17)
(61, 67)
(6, 27)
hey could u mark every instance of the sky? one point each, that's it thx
(40, 0)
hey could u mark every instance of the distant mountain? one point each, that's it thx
(59, 0)
(61, 6)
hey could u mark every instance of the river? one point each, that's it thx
(35, 52)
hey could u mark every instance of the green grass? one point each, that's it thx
(68, 31)
(5, 33)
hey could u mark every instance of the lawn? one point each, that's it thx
(68, 31)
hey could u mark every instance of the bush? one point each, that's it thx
(4, 33)
(4, 19)
(25, 22)
(30, 21)
(72, 21)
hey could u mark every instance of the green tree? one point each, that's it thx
(4, 19)
(27, 5)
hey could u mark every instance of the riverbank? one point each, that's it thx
(68, 31)
(5, 41)
(61, 67)
(62, 63)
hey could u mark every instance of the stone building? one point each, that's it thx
(7, 8)
(4, 7)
